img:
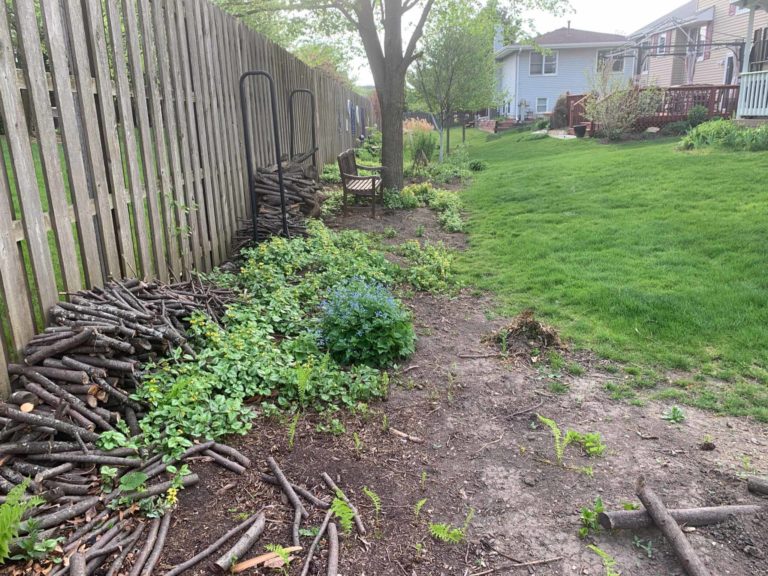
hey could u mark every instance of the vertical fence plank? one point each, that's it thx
(202, 112)
(14, 286)
(225, 193)
(171, 139)
(5, 381)
(217, 149)
(225, 62)
(161, 162)
(105, 89)
(236, 68)
(145, 137)
(72, 143)
(89, 115)
(182, 136)
(185, 62)
(24, 168)
(123, 93)
(40, 103)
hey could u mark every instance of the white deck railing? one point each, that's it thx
(753, 94)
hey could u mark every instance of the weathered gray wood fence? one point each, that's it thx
(123, 146)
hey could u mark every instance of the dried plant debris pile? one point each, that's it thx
(301, 200)
(524, 334)
(75, 384)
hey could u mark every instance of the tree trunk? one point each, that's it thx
(392, 101)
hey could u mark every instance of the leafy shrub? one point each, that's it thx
(726, 134)
(408, 199)
(361, 322)
(451, 221)
(330, 174)
(332, 203)
(560, 113)
(430, 266)
(478, 165)
(540, 124)
(423, 145)
(697, 115)
(615, 104)
(675, 128)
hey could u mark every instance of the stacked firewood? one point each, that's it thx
(301, 200)
(75, 381)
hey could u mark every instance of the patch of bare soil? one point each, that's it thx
(418, 223)
(484, 450)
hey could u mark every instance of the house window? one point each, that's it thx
(645, 57)
(703, 40)
(612, 62)
(543, 64)
(541, 105)
(661, 45)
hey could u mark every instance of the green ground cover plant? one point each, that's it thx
(315, 329)
(639, 252)
(728, 135)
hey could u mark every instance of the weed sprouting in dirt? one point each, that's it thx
(375, 500)
(591, 442)
(418, 506)
(608, 561)
(589, 518)
(675, 415)
(451, 534)
(644, 545)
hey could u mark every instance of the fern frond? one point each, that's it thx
(11, 512)
(344, 513)
(419, 506)
(446, 533)
(374, 498)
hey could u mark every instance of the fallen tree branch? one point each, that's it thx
(757, 485)
(636, 519)
(233, 454)
(409, 437)
(517, 565)
(146, 550)
(158, 547)
(340, 494)
(333, 550)
(212, 548)
(224, 462)
(304, 493)
(315, 542)
(243, 545)
(286, 486)
(691, 563)
(237, 568)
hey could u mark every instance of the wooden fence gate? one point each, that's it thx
(122, 143)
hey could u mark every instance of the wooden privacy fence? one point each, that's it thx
(123, 145)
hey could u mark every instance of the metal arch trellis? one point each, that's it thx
(248, 149)
(642, 53)
(292, 123)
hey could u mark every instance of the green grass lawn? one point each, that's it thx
(644, 254)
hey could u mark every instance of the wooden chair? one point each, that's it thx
(355, 184)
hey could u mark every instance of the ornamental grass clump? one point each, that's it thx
(362, 323)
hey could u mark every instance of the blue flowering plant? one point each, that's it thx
(362, 323)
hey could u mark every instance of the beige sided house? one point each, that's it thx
(703, 42)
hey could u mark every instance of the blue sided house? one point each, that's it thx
(533, 76)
